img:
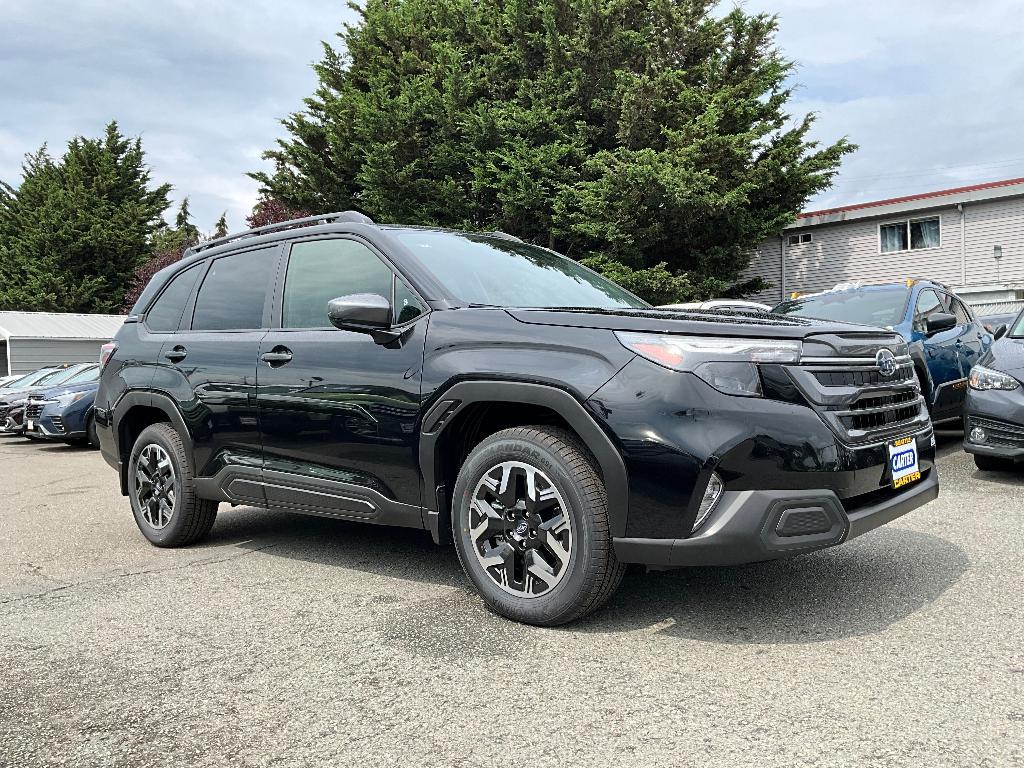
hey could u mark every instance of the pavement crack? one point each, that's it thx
(127, 574)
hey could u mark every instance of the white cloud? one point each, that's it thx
(205, 84)
(931, 90)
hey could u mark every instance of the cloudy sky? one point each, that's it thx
(931, 90)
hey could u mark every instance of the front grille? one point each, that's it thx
(998, 432)
(4, 410)
(878, 419)
(877, 412)
(850, 393)
(862, 378)
(33, 410)
(869, 403)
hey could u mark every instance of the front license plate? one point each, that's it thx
(31, 425)
(903, 461)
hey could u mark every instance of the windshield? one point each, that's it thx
(85, 375)
(57, 377)
(30, 378)
(882, 307)
(479, 269)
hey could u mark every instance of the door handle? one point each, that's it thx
(277, 356)
(176, 355)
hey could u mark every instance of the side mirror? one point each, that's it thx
(1000, 331)
(363, 313)
(940, 321)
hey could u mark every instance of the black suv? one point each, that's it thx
(501, 395)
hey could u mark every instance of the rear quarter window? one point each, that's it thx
(165, 314)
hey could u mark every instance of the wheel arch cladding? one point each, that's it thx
(454, 420)
(136, 411)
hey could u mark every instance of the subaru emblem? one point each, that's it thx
(886, 362)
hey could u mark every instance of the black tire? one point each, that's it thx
(992, 463)
(591, 574)
(90, 432)
(190, 518)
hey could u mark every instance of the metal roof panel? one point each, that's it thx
(58, 325)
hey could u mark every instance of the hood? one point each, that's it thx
(51, 393)
(1007, 354)
(708, 322)
(13, 395)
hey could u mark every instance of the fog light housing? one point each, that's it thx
(712, 493)
(977, 435)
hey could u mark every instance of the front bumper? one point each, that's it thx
(1001, 415)
(754, 525)
(14, 422)
(52, 424)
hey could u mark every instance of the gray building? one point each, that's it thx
(31, 340)
(971, 238)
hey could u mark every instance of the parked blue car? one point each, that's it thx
(943, 334)
(65, 412)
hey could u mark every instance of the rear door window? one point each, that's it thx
(165, 315)
(234, 292)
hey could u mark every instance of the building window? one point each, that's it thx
(800, 239)
(912, 235)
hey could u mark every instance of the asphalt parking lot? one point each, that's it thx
(288, 640)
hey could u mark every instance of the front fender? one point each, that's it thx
(455, 398)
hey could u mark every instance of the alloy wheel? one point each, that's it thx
(520, 529)
(155, 485)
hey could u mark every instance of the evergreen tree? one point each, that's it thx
(73, 232)
(220, 229)
(179, 237)
(649, 137)
(183, 222)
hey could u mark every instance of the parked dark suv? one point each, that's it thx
(498, 394)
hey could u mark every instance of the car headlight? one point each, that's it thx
(728, 365)
(983, 378)
(70, 397)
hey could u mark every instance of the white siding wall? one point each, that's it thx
(26, 355)
(1000, 222)
(767, 264)
(848, 251)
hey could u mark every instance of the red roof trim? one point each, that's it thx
(911, 198)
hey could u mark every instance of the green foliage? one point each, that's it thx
(648, 134)
(655, 284)
(73, 232)
(179, 237)
(220, 229)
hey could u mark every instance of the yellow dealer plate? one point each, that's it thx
(903, 462)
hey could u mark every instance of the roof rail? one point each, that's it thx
(324, 218)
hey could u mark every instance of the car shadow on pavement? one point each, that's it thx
(401, 553)
(860, 588)
(46, 446)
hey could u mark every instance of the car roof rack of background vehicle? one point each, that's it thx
(306, 221)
